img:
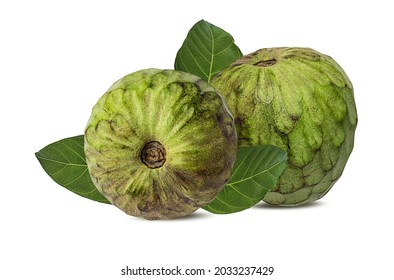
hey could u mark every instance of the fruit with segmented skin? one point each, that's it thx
(301, 101)
(160, 144)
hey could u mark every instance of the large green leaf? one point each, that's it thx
(256, 171)
(64, 161)
(206, 50)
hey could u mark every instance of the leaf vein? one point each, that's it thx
(62, 162)
(76, 179)
(264, 171)
(241, 193)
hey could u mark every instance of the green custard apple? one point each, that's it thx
(301, 101)
(160, 144)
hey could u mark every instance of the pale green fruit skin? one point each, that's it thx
(301, 101)
(187, 117)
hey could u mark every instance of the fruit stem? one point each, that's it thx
(153, 155)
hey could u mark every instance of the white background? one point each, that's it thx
(58, 57)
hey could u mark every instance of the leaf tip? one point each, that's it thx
(37, 155)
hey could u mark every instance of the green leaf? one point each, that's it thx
(64, 161)
(256, 171)
(206, 51)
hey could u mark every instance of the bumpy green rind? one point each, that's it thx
(301, 101)
(180, 111)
